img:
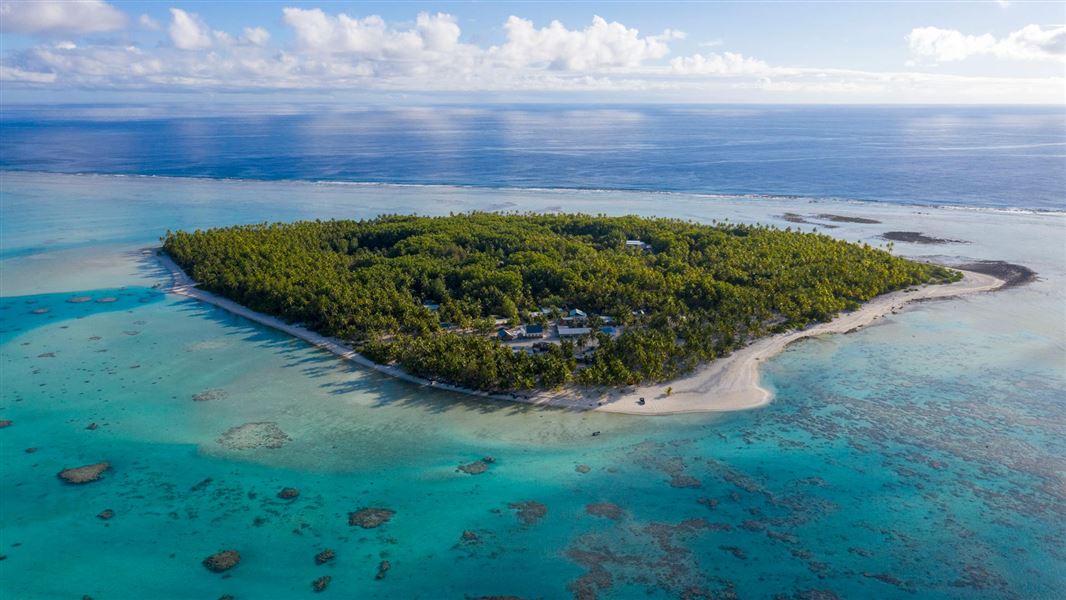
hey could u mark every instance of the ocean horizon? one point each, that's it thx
(1003, 157)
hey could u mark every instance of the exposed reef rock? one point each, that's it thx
(206, 395)
(320, 584)
(79, 299)
(106, 515)
(477, 467)
(529, 512)
(5, 423)
(605, 509)
(325, 556)
(917, 238)
(469, 537)
(254, 435)
(383, 568)
(369, 518)
(222, 561)
(288, 493)
(1014, 275)
(86, 474)
(846, 219)
(582, 469)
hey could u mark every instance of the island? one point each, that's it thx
(562, 309)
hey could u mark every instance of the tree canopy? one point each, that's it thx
(421, 291)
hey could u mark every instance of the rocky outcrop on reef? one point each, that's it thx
(369, 518)
(208, 395)
(477, 467)
(325, 556)
(106, 515)
(383, 568)
(582, 469)
(288, 493)
(529, 512)
(320, 584)
(607, 510)
(254, 435)
(86, 474)
(222, 561)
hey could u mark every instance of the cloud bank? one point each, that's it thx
(338, 52)
(1032, 42)
(60, 17)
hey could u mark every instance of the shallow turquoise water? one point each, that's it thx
(921, 457)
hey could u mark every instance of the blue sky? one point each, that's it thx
(779, 52)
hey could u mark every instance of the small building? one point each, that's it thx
(532, 331)
(506, 335)
(431, 306)
(565, 331)
(637, 244)
(575, 315)
(609, 330)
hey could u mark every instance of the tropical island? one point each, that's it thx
(504, 303)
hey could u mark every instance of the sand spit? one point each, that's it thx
(727, 384)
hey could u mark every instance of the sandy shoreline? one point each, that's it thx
(727, 384)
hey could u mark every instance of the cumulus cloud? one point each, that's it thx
(149, 23)
(338, 52)
(726, 63)
(256, 36)
(370, 37)
(599, 45)
(187, 31)
(59, 16)
(1032, 42)
(15, 74)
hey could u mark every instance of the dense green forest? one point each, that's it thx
(423, 292)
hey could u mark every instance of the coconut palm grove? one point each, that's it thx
(511, 302)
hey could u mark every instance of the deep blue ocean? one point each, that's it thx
(970, 156)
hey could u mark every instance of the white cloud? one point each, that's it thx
(148, 22)
(367, 55)
(187, 31)
(256, 36)
(726, 63)
(15, 74)
(370, 37)
(599, 45)
(58, 16)
(1032, 42)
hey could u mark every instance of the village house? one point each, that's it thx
(506, 335)
(532, 331)
(576, 316)
(565, 332)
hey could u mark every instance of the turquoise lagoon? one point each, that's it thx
(924, 456)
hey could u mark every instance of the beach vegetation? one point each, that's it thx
(430, 294)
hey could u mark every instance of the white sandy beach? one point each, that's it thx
(727, 384)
